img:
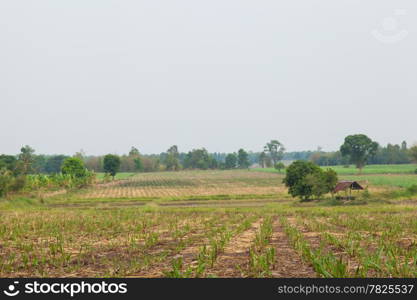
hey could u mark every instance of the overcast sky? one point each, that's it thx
(103, 76)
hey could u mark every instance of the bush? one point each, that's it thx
(10, 183)
(305, 179)
(6, 180)
(415, 171)
(279, 166)
(366, 195)
(412, 189)
(18, 183)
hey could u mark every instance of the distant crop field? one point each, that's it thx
(369, 169)
(188, 183)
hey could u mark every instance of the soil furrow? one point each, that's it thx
(233, 261)
(288, 261)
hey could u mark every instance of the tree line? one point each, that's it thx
(79, 170)
(173, 160)
(388, 155)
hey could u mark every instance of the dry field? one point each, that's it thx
(190, 183)
(204, 224)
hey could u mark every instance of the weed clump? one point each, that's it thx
(412, 190)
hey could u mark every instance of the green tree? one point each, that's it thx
(149, 163)
(134, 152)
(305, 179)
(262, 159)
(39, 163)
(329, 181)
(26, 159)
(359, 148)
(231, 161)
(138, 164)
(53, 163)
(276, 151)
(243, 159)
(197, 159)
(213, 163)
(74, 166)
(111, 164)
(172, 161)
(413, 153)
(80, 154)
(279, 166)
(404, 146)
(8, 162)
(6, 181)
(134, 155)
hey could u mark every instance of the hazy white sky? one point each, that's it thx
(105, 75)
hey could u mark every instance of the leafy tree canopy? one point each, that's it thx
(276, 150)
(111, 164)
(413, 153)
(26, 159)
(279, 166)
(74, 166)
(305, 179)
(359, 148)
(243, 159)
(231, 161)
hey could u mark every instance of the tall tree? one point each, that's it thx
(231, 161)
(26, 159)
(134, 152)
(134, 155)
(9, 163)
(197, 159)
(359, 148)
(111, 164)
(138, 164)
(262, 159)
(276, 150)
(413, 153)
(53, 163)
(172, 161)
(243, 159)
(80, 154)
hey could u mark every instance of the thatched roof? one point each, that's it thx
(344, 185)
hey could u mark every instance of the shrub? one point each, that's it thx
(279, 166)
(366, 195)
(10, 183)
(18, 183)
(6, 180)
(412, 189)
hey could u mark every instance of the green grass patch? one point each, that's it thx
(100, 176)
(385, 180)
(351, 170)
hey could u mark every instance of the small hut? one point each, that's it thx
(347, 187)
